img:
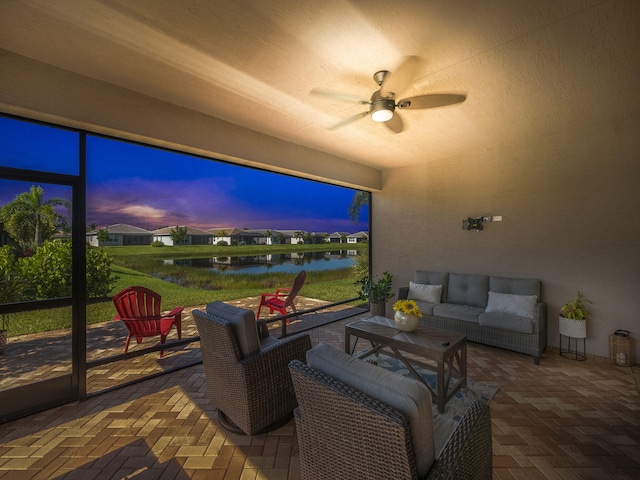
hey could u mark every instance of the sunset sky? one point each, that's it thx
(150, 188)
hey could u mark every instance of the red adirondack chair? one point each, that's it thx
(139, 309)
(283, 298)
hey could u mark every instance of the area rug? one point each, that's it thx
(455, 407)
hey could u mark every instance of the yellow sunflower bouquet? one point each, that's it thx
(407, 306)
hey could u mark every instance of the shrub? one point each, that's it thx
(100, 279)
(48, 272)
(7, 260)
(222, 243)
(157, 243)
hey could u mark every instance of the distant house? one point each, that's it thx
(320, 237)
(358, 237)
(338, 237)
(281, 237)
(293, 237)
(236, 236)
(195, 236)
(267, 237)
(120, 235)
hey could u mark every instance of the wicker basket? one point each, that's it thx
(621, 350)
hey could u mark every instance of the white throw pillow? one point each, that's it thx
(425, 293)
(522, 305)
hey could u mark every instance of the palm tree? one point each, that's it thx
(29, 218)
(359, 200)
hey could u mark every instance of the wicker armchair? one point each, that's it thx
(253, 391)
(346, 434)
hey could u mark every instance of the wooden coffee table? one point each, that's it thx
(448, 351)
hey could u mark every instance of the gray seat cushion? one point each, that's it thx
(459, 312)
(506, 321)
(426, 308)
(244, 325)
(406, 395)
(268, 341)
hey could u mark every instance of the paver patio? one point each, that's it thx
(562, 419)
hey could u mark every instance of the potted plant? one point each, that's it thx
(376, 291)
(573, 317)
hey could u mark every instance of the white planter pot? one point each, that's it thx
(572, 328)
(407, 322)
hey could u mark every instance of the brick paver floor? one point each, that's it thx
(562, 419)
(32, 358)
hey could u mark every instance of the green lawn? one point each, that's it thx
(332, 285)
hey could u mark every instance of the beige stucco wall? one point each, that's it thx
(569, 218)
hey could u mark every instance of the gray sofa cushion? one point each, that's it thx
(516, 286)
(244, 325)
(443, 427)
(460, 312)
(433, 278)
(506, 321)
(466, 289)
(268, 341)
(426, 308)
(404, 394)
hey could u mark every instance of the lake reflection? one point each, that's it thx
(285, 262)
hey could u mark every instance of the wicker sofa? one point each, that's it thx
(502, 312)
(357, 420)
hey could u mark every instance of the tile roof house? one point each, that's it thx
(195, 236)
(236, 236)
(120, 235)
(338, 237)
(358, 237)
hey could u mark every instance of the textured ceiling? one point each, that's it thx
(529, 68)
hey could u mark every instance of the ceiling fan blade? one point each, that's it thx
(343, 97)
(395, 125)
(431, 101)
(397, 82)
(348, 120)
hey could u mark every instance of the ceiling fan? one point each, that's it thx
(382, 104)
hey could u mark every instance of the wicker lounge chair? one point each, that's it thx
(247, 373)
(344, 433)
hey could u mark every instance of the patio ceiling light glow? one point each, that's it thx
(382, 110)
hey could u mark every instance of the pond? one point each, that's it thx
(286, 262)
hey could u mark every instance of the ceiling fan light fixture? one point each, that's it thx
(382, 110)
